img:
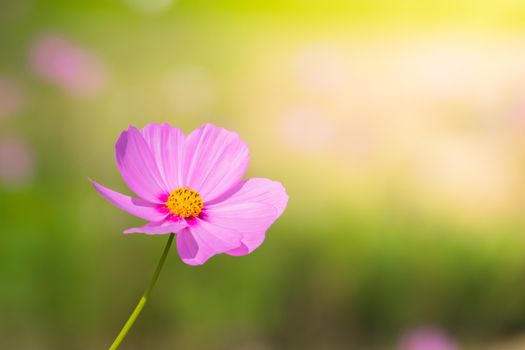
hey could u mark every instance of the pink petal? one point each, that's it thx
(215, 161)
(251, 210)
(167, 146)
(138, 167)
(199, 242)
(159, 228)
(135, 206)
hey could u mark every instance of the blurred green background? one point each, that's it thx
(397, 128)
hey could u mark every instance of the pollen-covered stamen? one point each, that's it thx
(185, 202)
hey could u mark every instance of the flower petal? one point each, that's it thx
(159, 228)
(135, 206)
(215, 161)
(138, 167)
(167, 146)
(200, 241)
(251, 210)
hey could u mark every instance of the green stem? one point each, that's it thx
(143, 299)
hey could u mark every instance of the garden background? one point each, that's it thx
(397, 128)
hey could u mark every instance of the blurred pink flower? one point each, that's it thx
(11, 97)
(427, 339)
(517, 110)
(67, 65)
(17, 163)
(303, 123)
(192, 185)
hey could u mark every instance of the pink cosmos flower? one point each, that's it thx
(427, 339)
(68, 65)
(192, 185)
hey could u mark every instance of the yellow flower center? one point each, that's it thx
(185, 202)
